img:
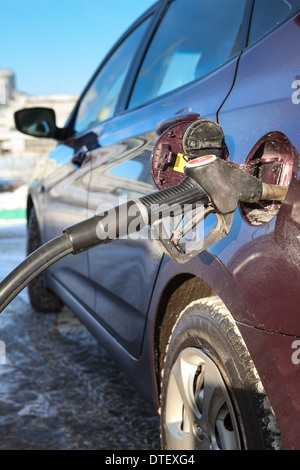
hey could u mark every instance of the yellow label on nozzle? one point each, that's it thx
(180, 163)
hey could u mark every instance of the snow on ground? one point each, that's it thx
(12, 233)
(14, 200)
(12, 248)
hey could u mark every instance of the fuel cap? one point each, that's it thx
(203, 137)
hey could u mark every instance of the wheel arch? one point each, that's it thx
(178, 293)
(29, 206)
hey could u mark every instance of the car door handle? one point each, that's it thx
(162, 126)
(79, 157)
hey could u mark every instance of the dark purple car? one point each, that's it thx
(214, 343)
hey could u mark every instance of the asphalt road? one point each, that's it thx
(59, 390)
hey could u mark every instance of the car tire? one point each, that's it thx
(211, 395)
(41, 299)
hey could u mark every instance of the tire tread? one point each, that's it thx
(216, 311)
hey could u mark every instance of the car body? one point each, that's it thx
(128, 293)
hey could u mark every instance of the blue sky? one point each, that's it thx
(54, 46)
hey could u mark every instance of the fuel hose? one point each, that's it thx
(94, 231)
(208, 181)
(32, 266)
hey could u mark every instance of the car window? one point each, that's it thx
(268, 15)
(194, 38)
(99, 102)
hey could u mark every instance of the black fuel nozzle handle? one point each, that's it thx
(100, 229)
(132, 216)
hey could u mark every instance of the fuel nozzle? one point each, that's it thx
(224, 182)
(227, 183)
(224, 185)
(197, 151)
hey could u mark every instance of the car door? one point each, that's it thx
(65, 190)
(63, 199)
(189, 67)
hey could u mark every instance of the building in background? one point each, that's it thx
(7, 86)
(12, 142)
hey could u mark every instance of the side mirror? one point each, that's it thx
(37, 122)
